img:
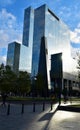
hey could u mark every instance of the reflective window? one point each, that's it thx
(58, 40)
(13, 56)
(47, 24)
(39, 26)
(10, 55)
(25, 59)
(27, 39)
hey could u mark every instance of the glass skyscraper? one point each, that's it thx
(45, 39)
(19, 56)
(57, 35)
(28, 35)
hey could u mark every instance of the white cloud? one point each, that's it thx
(7, 20)
(9, 29)
(4, 14)
(74, 52)
(2, 59)
(78, 25)
(6, 2)
(75, 35)
(65, 10)
(3, 36)
(70, 14)
(50, 35)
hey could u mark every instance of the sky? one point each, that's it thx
(12, 16)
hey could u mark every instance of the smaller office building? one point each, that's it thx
(61, 78)
(16, 57)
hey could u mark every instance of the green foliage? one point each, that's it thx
(39, 85)
(15, 83)
(23, 83)
(7, 78)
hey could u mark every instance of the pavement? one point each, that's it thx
(39, 120)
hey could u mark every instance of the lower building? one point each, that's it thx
(59, 78)
(17, 57)
(13, 56)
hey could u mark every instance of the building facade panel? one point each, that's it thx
(24, 60)
(58, 39)
(39, 29)
(28, 36)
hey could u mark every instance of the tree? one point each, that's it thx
(23, 83)
(39, 84)
(15, 83)
(7, 78)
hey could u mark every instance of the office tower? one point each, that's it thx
(16, 57)
(45, 47)
(13, 55)
(28, 35)
(57, 35)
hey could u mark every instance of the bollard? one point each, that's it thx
(43, 106)
(8, 110)
(51, 106)
(22, 109)
(34, 107)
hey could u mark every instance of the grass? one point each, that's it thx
(72, 99)
(17, 98)
(75, 105)
(75, 99)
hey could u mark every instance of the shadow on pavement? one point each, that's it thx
(69, 108)
(48, 117)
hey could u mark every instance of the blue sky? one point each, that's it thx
(12, 15)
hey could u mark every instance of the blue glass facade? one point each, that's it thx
(42, 69)
(39, 30)
(20, 56)
(28, 36)
(17, 57)
(13, 56)
(28, 27)
(34, 55)
(47, 24)
(24, 60)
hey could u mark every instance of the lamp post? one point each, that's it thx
(34, 86)
(60, 88)
(60, 76)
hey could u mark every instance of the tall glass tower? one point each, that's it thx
(45, 47)
(57, 35)
(19, 56)
(28, 35)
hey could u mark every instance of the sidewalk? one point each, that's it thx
(38, 120)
